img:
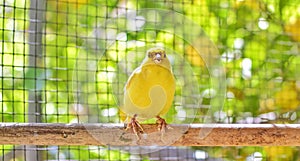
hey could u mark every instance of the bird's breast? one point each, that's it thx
(149, 91)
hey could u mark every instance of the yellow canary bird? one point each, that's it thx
(149, 91)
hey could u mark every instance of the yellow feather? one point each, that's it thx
(149, 91)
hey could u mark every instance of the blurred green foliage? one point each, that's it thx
(258, 41)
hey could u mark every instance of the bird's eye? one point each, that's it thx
(163, 54)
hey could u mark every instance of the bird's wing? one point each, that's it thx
(128, 83)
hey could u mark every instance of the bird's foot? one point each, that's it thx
(162, 126)
(135, 126)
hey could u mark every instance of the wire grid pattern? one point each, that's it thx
(46, 45)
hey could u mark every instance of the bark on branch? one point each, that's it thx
(179, 135)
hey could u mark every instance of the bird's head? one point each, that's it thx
(157, 55)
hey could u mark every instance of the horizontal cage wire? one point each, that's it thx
(68, 69)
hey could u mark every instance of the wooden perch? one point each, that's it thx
(179, 135)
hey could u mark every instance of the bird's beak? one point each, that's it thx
(157, 59)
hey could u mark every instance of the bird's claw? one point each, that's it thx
(162, 126)
(135, 126)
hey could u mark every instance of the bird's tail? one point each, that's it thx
(122, 115)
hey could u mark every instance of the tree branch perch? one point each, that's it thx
(179, 135)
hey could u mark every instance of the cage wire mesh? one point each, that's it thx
(52, 70)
